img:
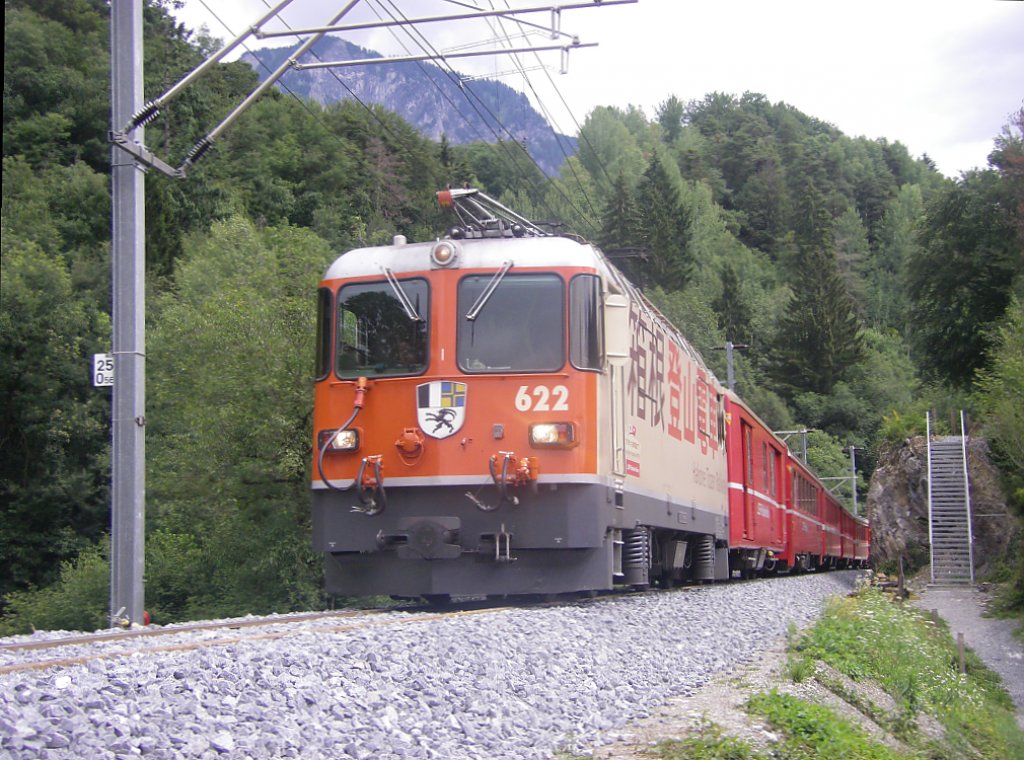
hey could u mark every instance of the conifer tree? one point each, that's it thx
(734, 315)
(665, 229)
(620, 224)
(670, 116)
(819, 338)
(620, 230)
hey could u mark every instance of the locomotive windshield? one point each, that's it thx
(520, 326)
(376, 336)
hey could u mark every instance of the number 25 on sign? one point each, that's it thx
(103, 370)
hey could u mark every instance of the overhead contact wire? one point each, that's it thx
(427, 47)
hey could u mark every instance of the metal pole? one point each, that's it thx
(853, 476)
(785, 434)
(730, 375)
(477, 13)
(967, 494)
(931, 536)
(432, 57)
(128, 506)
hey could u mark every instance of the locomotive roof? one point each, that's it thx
(473, 253)
(491, 253)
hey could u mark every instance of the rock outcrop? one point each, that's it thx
(897, 506)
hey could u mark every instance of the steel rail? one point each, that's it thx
(190, 645)
(98, 638)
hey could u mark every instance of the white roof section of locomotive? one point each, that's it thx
(482, 253)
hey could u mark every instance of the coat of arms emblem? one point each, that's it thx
(441, 407)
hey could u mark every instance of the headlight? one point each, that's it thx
(553, 435)
(444, 254)
(339, 440)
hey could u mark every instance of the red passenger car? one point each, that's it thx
(757, 512)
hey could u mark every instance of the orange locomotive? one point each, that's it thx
(501, 412)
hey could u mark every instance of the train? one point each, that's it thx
(501, 412)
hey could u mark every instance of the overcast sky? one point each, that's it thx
(940, 76)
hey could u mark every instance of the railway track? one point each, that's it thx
(519, 682)
(242, 631)
(249, 629)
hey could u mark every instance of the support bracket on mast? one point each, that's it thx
(143, 155)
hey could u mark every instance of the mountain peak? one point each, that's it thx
(434, 100)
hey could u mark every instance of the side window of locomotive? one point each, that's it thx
(375, 335)
(585, 322)
(323, 333)
(520, 326)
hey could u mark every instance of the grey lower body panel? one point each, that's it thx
(438, 540)
(544, 571)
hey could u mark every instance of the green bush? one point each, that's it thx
(255, 561)
(908, 421)
(174, 574)
(239, 564)
(999, 392)
(897, 427)
(78, 601)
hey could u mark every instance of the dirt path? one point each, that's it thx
(991, 639)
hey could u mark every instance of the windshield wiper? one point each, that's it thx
(477, 307)
(400, 294)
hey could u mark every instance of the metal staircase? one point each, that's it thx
(949, 508)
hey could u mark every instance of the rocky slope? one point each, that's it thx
(897, 505)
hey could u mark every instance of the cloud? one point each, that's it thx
(939, 76)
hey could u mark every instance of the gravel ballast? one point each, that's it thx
(519, 683)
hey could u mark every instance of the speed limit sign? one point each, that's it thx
(103, 370)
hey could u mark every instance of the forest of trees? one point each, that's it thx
(866, 286)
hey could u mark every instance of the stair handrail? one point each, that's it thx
(931, 539)
(967, 494)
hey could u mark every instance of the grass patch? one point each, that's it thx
(815, 731)
(708, 742)
(798, 669)
(868, 637)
